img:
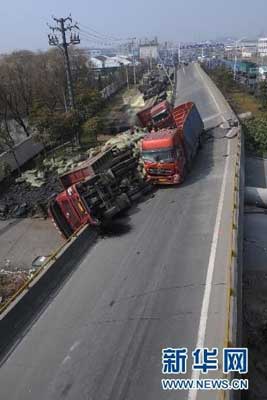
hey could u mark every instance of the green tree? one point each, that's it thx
(256, 134)
(54, 127)
(263, 94)
(6, 139)
(88, 103)
(90, 129)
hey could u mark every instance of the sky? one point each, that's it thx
(24, 22)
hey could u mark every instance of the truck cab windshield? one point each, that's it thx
(160, 116)
(168, 155)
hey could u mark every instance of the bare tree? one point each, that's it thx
(6, 139)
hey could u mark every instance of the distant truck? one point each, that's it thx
(156, 116)
(168, 153)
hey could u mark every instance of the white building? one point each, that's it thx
(249, 48)
(149, 50)
(101, 62)
(262, 73)
(262, 47)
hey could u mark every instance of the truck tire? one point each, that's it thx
(108, 214)
(123, 201)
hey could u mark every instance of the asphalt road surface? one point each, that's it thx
(138, 290)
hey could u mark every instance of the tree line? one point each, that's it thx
(33, 94)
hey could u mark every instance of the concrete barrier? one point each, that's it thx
(233, 332)
(35, 295)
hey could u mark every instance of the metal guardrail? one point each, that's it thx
(51, 258)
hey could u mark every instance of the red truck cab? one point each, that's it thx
(161, 116)
(157, 116)
(169, 152)
(69, 212)
(163, 156)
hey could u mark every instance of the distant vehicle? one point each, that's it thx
(168, 153)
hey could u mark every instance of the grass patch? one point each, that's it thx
(255, 129)
(244, 102)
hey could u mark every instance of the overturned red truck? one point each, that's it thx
(96, 191)
(168, 152)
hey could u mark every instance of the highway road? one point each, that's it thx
(156, 280)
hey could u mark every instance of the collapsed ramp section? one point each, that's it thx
(193, 84)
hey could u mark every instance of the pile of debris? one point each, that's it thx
(30, 193)
(27, 199)
(127, 167)
(155, 83)
(11, 282)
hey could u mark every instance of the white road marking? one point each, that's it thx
(75, 344)
(192, 394)
(211, 117)
(66, 359)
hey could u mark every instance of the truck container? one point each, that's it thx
(90, 167)
(168, 153)
(156, 116)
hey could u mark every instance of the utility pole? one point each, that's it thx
(127, 77)
(235, 63)
(63, 45)
(179, 53)
(133, 57)
(150, 58)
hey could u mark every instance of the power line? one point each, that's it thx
(90, 38)
(106, 36)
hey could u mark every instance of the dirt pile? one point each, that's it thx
(23, 199)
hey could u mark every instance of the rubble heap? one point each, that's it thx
(30, 193)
